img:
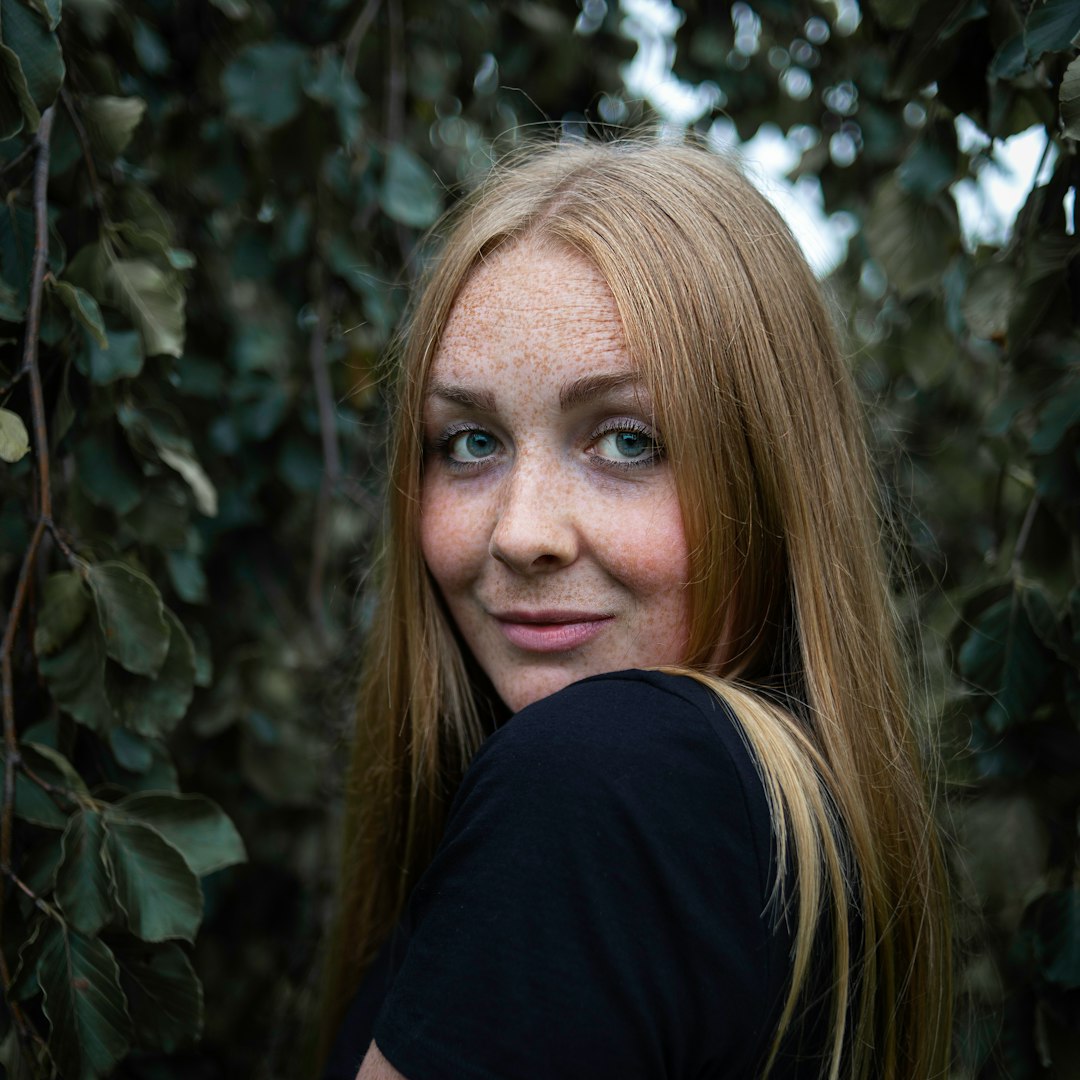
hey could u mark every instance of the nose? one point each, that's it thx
(535, 529)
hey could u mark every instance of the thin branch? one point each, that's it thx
(38, 269)
(17, 160)
(331, 459)
(358, 33)
(41, 905)
(395, 76)
(1022, 538)
(88, 156)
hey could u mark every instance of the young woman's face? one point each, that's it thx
(549, 518)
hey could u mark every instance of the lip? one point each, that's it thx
(551, 631)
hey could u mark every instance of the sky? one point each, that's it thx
(987, 202)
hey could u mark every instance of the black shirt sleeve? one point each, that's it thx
(597, 905)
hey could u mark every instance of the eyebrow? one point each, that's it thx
(578, 392)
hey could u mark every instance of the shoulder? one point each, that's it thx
(656, 751)
(619, 718)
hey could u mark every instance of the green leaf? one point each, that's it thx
(84, 307)
(83, 883)
(187, 576)
(159, 894)
(988, 300)
(1004, 658)
(49, 11)
(188, 467)
(1069, 100)
(197, 827)
(911, 238)
(32, 802)
(64, 606)
(32, 58)
(89, 1027)
(262, 84)
(131, 615)
(154, 706)
(1052, 26)
(152, 299)
(11, 108)
(409, 193)
(164, 994)
(75, 677)
(1059, 938)
(895, 14)
(106, 471)
(14, 438)
(132, 752)
(111, 122)
(11, 310)
(1060, 413)
(120, 358)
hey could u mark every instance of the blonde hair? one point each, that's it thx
(727, 325)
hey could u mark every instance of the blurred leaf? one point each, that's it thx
(409, 194)
(189, 468)
(89, 1028)
(895, 14)
(988, 299)
(1004, 657)
(262, 84)
(131, 751)
(49, 11)
(912, 239)
(64, 607)
(120, 358)
(187, 576)
(154, 886)
(106, 471)
(152, 300)
(1058, 922)
(84, 307)
(1060, 413)
(164, 995)
(14, 438)
(32, 57)
(131, 616)
(1069, 100)
(1051, 26)
(111, 122)
(195, 826)
(83, 885)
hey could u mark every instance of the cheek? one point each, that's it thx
(447, 541)
(647, 551)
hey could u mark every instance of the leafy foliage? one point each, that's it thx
(968, 354)
(189, 430)
(189, 448)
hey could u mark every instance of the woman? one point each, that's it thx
(624, 439)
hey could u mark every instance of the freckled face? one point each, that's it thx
(549, 519)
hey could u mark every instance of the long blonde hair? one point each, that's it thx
(729, 330)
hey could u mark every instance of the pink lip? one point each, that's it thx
(550, 631)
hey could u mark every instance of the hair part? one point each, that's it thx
(791, 620)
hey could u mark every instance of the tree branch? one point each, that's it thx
(38, 269)
(358, 33)
(331, 459)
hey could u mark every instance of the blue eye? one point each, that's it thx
(627, 443)
(471, 445)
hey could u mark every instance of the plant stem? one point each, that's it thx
(38, 270)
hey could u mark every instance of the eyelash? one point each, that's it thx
(442, 444)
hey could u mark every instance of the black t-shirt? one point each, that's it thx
(597, 907)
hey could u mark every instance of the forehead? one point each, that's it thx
(532, 309)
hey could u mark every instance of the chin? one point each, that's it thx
(522, 690)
